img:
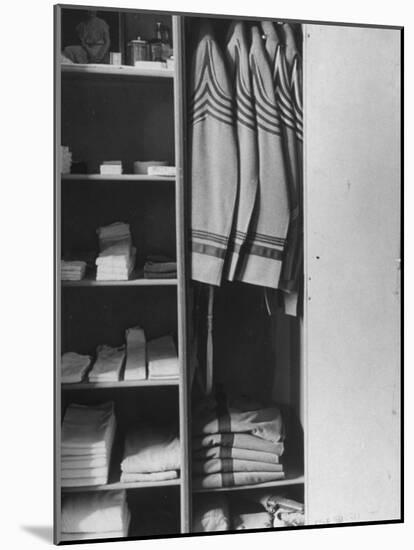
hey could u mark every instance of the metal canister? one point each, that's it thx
(138, 50)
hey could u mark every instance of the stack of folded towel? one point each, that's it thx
(108, 364)
(162, 358)
(151, 454)
(95, 515)
(72, 270)
(116, 259)
(160, 267)
(236, 442)
(87, 437)
(74, 367)
(136, 355)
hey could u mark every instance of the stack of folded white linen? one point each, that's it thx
(73, 270)
(74, 367)
(65, 159)
(136, 359)
(95, 515)
(151, 453)
(108, 364)
(116, 259)
(87, 438)
(162, 358)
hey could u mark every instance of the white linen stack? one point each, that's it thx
(74, 367)
(65, 159)
(87, 438)
(108, 364)
(116, 259)
(73, 270)
(162, 358)
(152, 453)
(98, 515)
(136, 360)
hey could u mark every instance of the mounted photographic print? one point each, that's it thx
(228, 203)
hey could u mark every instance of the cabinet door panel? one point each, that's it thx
(352, 247)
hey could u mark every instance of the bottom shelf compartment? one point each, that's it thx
(251, 509)
(148, 513)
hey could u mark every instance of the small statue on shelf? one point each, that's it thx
(93, 33)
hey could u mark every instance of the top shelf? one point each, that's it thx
(115, 70)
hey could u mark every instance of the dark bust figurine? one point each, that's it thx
(93, 33)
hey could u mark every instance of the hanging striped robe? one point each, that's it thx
(295, 259)
(262, 261)
(213, 160)
(286, 108)
(248, 174)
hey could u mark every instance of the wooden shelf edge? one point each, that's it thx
(121, 384)
(298, 480)
(119, 485)
(129, 282)
(115, 70)
(120, 177)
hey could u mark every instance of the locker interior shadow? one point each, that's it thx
(42, 532)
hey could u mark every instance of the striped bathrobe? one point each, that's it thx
(214, 167)
(262, 261)
(294, 259)
(248, 174)
(286, 107)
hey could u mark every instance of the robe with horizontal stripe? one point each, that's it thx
(262, 261)
(248, 173)
(214, 170)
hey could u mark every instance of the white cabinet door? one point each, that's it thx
(352, 247)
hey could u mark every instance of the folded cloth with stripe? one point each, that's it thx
(160, 267)
(151, 453)
(94, 515)
(87, 437)
(236, 441)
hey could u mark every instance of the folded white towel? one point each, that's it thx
(127, 477)
(151, 449)
(84, 481)
(89, 428)
(136, 359)
(162, 358)
(84, 462)
(74, 367)
(74, 473)
(108, 364)
(100, 511)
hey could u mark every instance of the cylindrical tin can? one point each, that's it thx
(138, 51)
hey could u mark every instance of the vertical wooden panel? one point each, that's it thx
(352, 320)
(179, 122)
(57, 289)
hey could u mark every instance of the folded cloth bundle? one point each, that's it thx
(234, 479)
(255, 520)
(87, 438)
(217, 465)
(235, 453)
(102, 514)
(231, 415)
(210, 513)
(108, 364)
(74, 367)
(162, 358)
(73, 270)
(116, 259)
(160, 267)
(236, 442)
(136, 355)
(150, 450)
